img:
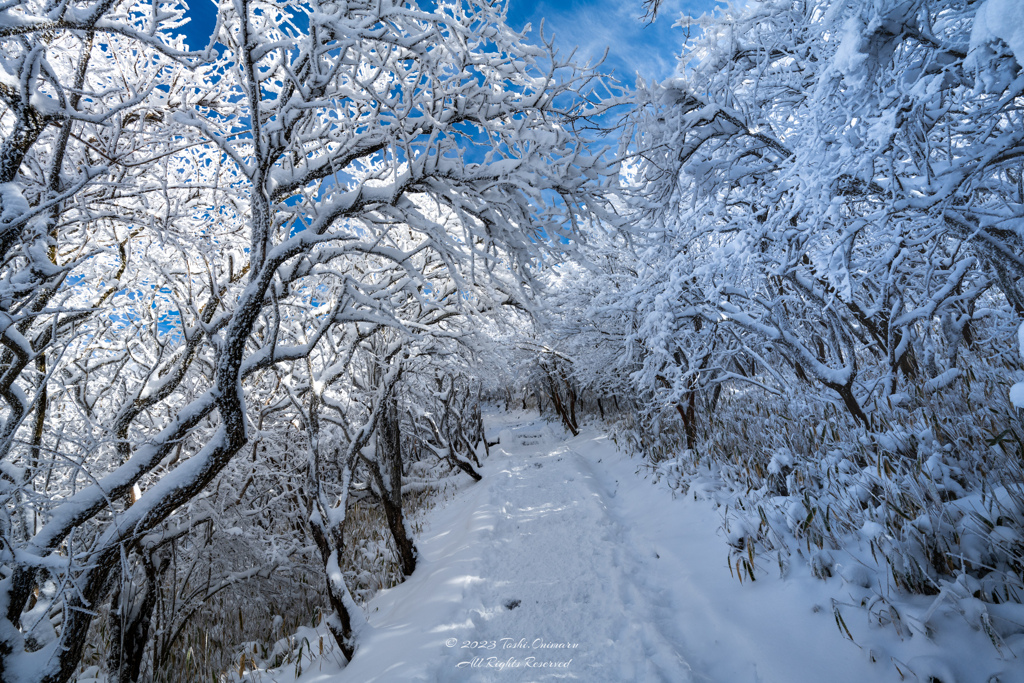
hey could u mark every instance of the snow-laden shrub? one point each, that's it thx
(931, 501)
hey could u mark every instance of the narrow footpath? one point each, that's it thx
(564, 564)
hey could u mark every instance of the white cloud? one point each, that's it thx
(635, 46)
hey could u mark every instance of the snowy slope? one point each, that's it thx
(564, 564)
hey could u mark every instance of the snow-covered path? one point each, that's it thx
(557, 573)
(563, 564)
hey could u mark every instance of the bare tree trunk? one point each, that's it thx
(556, 400)
(341, 628)
(389, 448)
(846, 393)
(130, 620)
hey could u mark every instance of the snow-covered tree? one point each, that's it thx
(822, 182)
(822, 289)
(334, 172)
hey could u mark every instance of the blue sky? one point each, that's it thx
(635, 47)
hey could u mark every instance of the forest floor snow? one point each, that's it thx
(566, 563)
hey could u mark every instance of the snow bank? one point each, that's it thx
(1000, 20)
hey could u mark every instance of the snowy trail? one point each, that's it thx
(563, 564)
(558, 573)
